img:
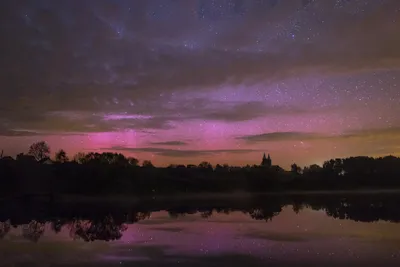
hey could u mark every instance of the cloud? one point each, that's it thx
(99, 67)
(142, 116)
(236, 112)
(281, 136)
(305, 136)
(373, 133)
(7, 132)
(178, 152)
(170, 143)
(51, 124)
(97, 51)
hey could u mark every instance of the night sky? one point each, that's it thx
(182, 81)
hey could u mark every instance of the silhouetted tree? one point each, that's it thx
(295, 169)
(61, 156)
(205, 165)
(312, 170)
(147, 164)
(191, 166)
(219, 167)
(120, 160)
(333, 166)
(133, 161)
(113, 173)
(39, 150)
(80, 158)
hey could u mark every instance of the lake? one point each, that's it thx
(335, 230)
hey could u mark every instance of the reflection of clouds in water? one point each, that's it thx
(219, 240)
(253, 228)
(154, 222)
(168, 260)
(281, 237)
(137, 252)
(169, 229)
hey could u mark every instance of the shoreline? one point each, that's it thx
(232, 196)
(216, 196)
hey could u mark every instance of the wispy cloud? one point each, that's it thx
(180, 152)
(304, 136)
(169, 143)
(141, 71)
(281, 136)
(142, 117)
(373, 132)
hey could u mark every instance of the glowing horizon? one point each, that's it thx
(186, 81)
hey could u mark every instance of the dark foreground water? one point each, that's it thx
(318, 231)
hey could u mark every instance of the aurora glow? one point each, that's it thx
(190, 80)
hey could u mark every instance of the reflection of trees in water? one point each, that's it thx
(206, 214)
(224, 210)
(33, 231)
(94, 225)
(360, 208)
(297, 207)
(365, 211)
(175, 214)
(57, 225)
(181, 212)
(357, 208)
(265, 213)
(106, 229)
(139, 216)
(5, 227)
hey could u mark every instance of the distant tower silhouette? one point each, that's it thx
(266, 162)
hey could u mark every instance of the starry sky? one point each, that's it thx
(182, 81)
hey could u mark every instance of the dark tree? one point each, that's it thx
(133, 161)
(120, 160)
(295, 169)
(147, 163)
(205, 165)
(80, 158)
(61, 156)
(39, 150)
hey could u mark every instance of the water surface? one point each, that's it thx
(264, 234)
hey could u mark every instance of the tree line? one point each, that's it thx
(113, 173)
